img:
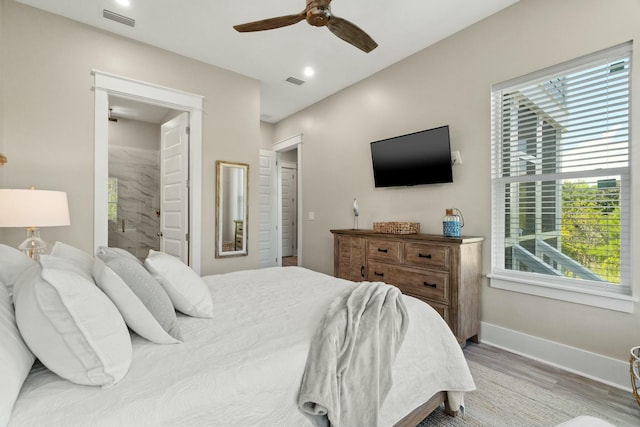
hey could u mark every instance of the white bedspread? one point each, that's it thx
(244, 366)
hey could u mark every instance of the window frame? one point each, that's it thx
(588, 292)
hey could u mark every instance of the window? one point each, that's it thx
(113, 199)
(561, 178)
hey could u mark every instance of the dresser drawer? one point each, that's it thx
(419, 283)
(425, 255)
(384, 250)
(443, 310)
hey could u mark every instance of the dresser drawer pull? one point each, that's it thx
(424, 256)
(375, 273)
(383, 250)
(431, 285)
(362, 271)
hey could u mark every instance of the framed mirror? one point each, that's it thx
(231, 208)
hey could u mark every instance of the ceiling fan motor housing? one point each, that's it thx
(318, 12)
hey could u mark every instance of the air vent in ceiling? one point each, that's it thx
(295, 81)
(118, 18)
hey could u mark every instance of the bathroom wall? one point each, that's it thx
(134, 173)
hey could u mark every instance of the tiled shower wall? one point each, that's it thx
(138, 199)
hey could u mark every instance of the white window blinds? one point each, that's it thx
(561, 174)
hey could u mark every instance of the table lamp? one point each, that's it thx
(33, 209)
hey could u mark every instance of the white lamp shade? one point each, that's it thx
(33, 208)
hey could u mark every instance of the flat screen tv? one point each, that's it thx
(417, 158)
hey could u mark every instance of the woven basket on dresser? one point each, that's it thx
(396, 227)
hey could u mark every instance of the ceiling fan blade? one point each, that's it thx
(351, 33)
(271, 23)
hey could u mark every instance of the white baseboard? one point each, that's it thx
(588, 364)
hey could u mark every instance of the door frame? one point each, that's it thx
(288, 144)
(107, 84)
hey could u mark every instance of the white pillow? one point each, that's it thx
(12, 263)
(80, 261)
(71, 326)
(110, 252)
(135, 313)
(188, 293)
(15, 357)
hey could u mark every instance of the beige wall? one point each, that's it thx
(48, 116)
(450, 83)
(266, 135)
(289, 156)
(134, 133)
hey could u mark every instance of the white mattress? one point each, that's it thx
(244, 366)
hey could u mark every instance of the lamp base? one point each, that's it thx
(33, 246)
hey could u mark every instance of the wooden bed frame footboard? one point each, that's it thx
(421, 412)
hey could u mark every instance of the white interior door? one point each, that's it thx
(284, 146)
(174, 167)
(267, 228)
(289, 203)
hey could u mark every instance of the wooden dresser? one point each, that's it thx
(444, 272)
(238, 235)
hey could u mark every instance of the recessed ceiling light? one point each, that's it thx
(124, 3)
(309, 72)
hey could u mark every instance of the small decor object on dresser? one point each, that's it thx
(396, 227)
(452, 223)
(356, 213)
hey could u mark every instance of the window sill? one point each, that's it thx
(606, 300)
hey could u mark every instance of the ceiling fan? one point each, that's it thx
(318, 14)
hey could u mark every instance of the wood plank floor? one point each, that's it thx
(289, 261)
(610, 401)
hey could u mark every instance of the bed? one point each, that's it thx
(244, 365)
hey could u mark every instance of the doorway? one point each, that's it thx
(108, 85)
(134, 185)
(289, 235)
(289, 208)
(148, 206)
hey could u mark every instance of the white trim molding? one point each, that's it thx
(546, 289)
(287, 143)
(107, 84)
(595, 366)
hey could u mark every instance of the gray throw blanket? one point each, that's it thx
(348, 371)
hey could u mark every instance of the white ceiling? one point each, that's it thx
(203, 30)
